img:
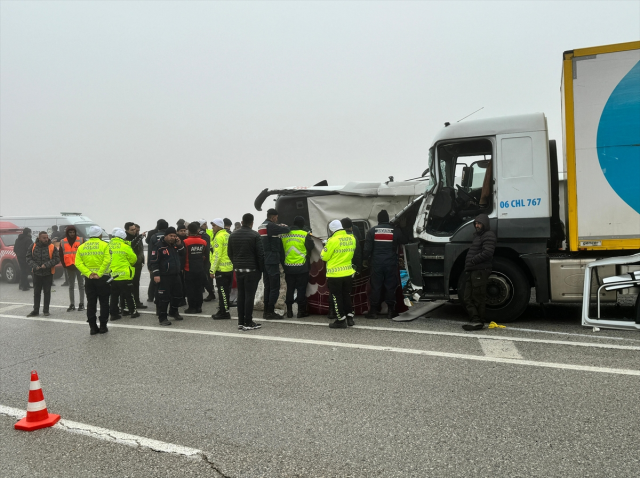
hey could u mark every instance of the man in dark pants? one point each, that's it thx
(22, 245)
(221, 268)
(477, 268)
(208, 280)
(246, 252)
(152, 240)
(166, 265)
(196, 249)
(135, 240)
(381, 250)
(270, 231)
(42, 258)
(93, 260)
(297, 245)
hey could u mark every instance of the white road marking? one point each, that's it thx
(252, 336)
(500, 348)
(112, 435)
(466, 335)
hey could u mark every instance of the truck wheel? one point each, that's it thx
(10, 273)
(508, 291)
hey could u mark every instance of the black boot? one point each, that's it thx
(350, 321)
(271, 314)
(176, 315)
(289, 311)
(103, 327)
(391, 313)
(338, 324)
(93, 327)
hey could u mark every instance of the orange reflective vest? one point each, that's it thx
(51, 249)
(69, 250)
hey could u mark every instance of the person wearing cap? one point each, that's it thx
(338, 254)
(247, 255)
(270, 232)
(93, 260)
(297, 245)
(207, 235)
(152, 240)
(123, 261)
(166, 265)
(221, 268)
(67, 250)
(381, 251)
(196, 251)
(42, 258)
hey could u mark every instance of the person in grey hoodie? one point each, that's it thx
(477, 268)
(42, 257)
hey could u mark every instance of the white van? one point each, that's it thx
(45, 223)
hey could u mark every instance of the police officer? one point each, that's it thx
(338, 254)
(166, 265)
(207, 235)
(270, 231)
(381, 250)
(221, 268)
(297, 245)
(93, 260)
(123, 261)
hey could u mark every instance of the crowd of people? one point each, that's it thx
(184, 261)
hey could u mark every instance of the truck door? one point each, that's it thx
(523, 185)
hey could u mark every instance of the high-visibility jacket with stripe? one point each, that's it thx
(68, 251)
(93, 256)
(297, 245)
(221, 261)
(338, 254)
(123, 259)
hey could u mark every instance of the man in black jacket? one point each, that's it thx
(135, 239)
(42, 257)
(152, 239)
(270, 232)
(477, 267)
(381, 250)
(246, 252)
(297, 247)
(23, 243)
(166, 266)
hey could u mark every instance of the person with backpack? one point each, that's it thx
(42, 258)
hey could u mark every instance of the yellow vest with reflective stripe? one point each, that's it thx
(221, 261)
(338, 254)
(295, 251)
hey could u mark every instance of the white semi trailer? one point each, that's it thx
(508, 169)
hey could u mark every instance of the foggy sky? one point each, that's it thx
(132, 111)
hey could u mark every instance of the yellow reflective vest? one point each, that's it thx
(122, 259)
(295, 249)
(93, 256)
(338, 254)
(221, 261)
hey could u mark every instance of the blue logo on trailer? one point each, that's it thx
(619, 139)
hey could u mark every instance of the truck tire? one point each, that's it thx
(508, 291)
(10, 273)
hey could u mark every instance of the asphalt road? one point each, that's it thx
(542, 397)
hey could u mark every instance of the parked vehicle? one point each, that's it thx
(540, 245)
(45, 223)
(9, 267)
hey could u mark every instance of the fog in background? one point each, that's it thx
(132, 111)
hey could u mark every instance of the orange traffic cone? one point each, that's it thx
(37, 414)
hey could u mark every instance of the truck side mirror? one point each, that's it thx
(467, 176)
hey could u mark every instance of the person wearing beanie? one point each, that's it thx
(221, 268)
(42, 258)
(166, 265)
(152, 240)
(381, 251)
(93, 260)
(196, 250)
(67, 250)
(270, 232)
(182, 232)
(338, 254)
(22, 244)
(123, 261)
(297, 245)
